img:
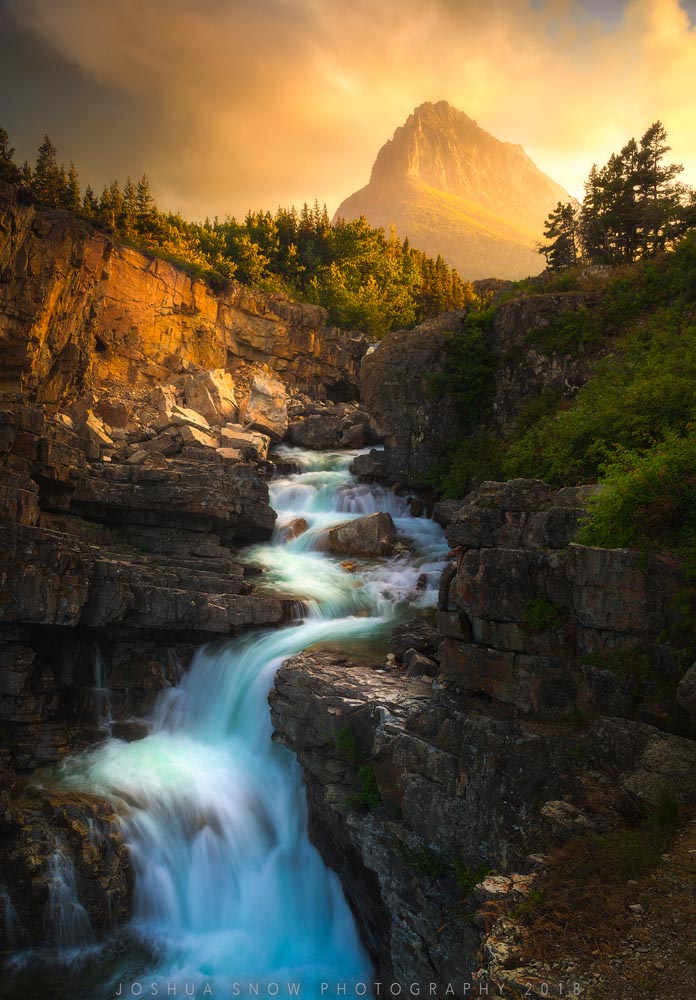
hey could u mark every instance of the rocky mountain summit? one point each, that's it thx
(455, 190)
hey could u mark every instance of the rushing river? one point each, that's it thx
(230, 895)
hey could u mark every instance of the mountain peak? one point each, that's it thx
(440, 173)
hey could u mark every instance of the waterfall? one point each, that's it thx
(101, 695)
(11, 930)
(65, 918)
(228, 887)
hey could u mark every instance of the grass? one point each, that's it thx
(581, 897)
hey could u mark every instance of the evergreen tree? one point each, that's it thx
(8, 169)
(129, 219)
(47, 181)
(71, 198)
(560, 230)
(90, 203)
(146, 210)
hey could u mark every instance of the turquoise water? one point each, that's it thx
(229, 892)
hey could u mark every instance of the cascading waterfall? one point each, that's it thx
(228, 887)
(66, 918)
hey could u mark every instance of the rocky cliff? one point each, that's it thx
(457, 191)
(537, 709)
(418, 420)
(78, 310)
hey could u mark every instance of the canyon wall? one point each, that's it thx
(79, 310)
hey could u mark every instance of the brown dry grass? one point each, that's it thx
(579, 904)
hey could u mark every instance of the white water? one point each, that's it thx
(228, 886)
(66, 919)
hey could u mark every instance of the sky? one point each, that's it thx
(231, 105)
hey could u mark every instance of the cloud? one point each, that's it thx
(245, 106)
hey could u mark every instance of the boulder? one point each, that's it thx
(416, 634)
(249, 443)
(192, 435)
(371, 466)
(418, 665)
(180, 416)
(95, 436)
(373, 535)
(266, 409)
(211, 393)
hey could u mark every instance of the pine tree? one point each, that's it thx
(70, 196)
(146, 210)
(560, 230)
(90, 203)
(8, 169)
(47, 181)
(130, 208)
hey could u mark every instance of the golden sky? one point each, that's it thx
(233, 104)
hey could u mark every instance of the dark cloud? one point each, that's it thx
(229, 105)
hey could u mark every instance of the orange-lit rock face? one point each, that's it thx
(78, 310)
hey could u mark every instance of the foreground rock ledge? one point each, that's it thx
(459, 784)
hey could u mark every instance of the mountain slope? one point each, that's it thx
(456, 190)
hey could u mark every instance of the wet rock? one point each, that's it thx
(371, 467)
(418, 634)
(372, 535)
(59, 836)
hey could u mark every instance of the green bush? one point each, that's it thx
(647, 500)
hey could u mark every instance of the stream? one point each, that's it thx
(230, 897)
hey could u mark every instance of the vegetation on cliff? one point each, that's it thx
(631, 426)
(365, 278)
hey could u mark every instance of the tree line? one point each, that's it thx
(367, 279)
(634, 207)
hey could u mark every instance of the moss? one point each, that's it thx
(424, 861)
(368, 796)
(541, 615)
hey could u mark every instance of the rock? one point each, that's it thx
(686, 692)
(295, 528)
(95, 437)
(137, 457)
(90, 311)
(212, 394)
(418, 634)
(191, 435)
(251, 443)
(372, 535)
(233, 455)
(266, 409)
(418, 665)
(370, 467)
(395, 380)
(181, 416)
(54, 832)
(564, 819)
(115, 414)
